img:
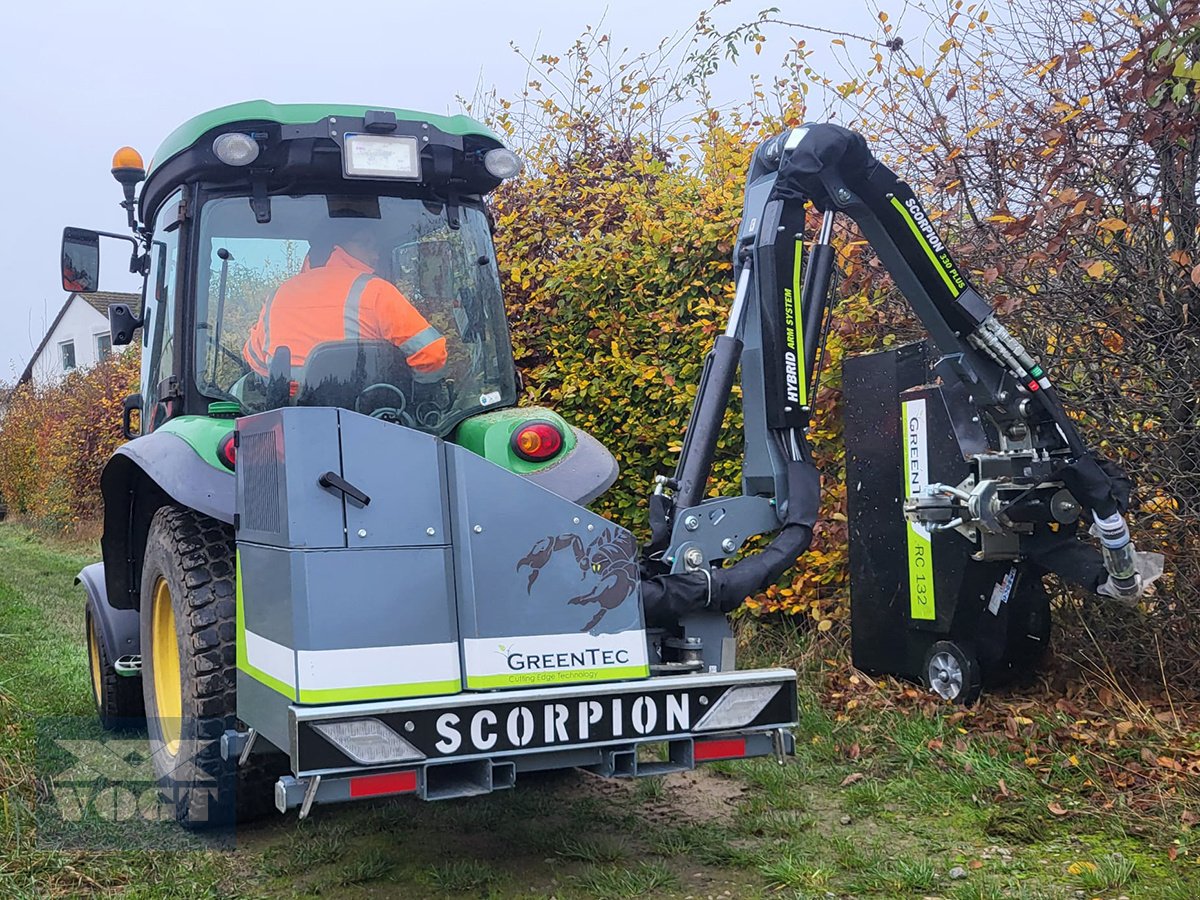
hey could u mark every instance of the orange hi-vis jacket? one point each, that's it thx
(342, 300)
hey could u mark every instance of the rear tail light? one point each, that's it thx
(367, 741)
(227, 450)
(738, 707)
(537, 441)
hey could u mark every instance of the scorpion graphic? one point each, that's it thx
(610, 555)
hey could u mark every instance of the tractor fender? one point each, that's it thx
(143, 475)
(118, 627)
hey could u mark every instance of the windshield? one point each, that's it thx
(369, 303)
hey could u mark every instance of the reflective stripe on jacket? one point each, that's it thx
(342, 300)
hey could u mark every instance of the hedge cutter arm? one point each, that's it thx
(1046, 473)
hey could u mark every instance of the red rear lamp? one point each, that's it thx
(227, 450)
(537, 441)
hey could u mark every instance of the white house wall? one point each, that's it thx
(80, 323)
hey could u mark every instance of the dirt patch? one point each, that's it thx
(698, 796)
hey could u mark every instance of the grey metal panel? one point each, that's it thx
(304, 444)
(374, 598)
(270, 576)
(403, 472)
(526, 558)
(337, 599)
(764, 471)
(178, 469)
(722, 519)
(583, 474)
(712, 628)
(266, 710)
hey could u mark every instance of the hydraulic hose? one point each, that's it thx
(666, 598)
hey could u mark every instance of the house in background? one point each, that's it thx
(77, 338)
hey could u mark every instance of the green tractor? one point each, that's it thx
(336, 567)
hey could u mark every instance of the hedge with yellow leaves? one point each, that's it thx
(617, 252)
(55, 440)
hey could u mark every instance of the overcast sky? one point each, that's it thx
(80, 79)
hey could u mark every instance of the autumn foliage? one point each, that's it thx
(55, 440)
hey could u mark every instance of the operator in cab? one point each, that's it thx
(341, 298)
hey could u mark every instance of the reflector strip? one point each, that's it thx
(391, 783)
(270, 658)
(732, 748)
(357, 667)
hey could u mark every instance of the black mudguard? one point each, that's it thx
(143, 475)
(118, 627)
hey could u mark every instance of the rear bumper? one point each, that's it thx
(475, 743)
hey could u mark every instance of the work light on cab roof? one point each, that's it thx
(236, 149)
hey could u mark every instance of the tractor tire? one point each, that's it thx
(119, 702)
(188, 628)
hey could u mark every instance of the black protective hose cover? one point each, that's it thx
(816, 168)
(667, 598)
(1098, 484)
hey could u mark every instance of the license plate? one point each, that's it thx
(509, 723)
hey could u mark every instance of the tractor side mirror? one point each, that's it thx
(122, 323)
(80, 260)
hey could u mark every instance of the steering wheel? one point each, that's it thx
(394, 413)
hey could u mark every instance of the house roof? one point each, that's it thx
(98, 301)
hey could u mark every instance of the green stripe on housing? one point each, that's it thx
(920, 548)
(515, 679)
(924, 242)
(243, 662)
(798, 321)
(380, 692)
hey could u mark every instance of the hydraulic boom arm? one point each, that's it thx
(1030, 467)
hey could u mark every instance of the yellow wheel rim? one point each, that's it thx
(94, 659)
(164, 645)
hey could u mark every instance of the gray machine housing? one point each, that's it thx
(381, 563)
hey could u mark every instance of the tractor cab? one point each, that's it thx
(366, 302)
(304, 256)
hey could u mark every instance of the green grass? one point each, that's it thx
(927, 800)
(647, 879)
(592, 850)
(462, 876)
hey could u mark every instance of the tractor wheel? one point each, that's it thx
(952, 672)
(118, 698)
(189, 675)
